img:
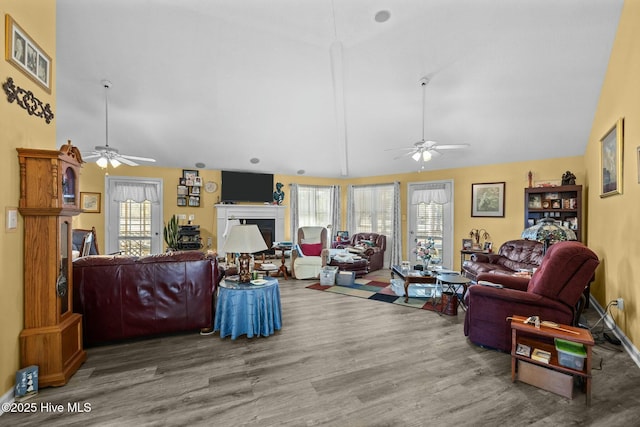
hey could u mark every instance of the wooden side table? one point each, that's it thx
(549, 376)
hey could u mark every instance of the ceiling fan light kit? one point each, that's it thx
(106, 155)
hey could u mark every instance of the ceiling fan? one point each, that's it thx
(108, 155)
(424, 150)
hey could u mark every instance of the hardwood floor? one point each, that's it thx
(338, 361)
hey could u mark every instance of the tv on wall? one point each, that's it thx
(246, 187)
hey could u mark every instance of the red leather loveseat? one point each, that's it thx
(123, 297)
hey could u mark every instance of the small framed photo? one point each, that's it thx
(535, 201)
(546, 204)
(183, 190)
(182, 181)
(195, 191)
(487, 247)
(182, 201)
(194, 201)
(487, 199)
(467, 244)
(197, 181)
(25, 54)
(90, 202)
(189, 176)
(555, 204)
(523, 350)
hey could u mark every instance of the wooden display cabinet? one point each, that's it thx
(49, 198)
(561, 203)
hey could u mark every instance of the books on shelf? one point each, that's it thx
(541, 355)
(523, 350)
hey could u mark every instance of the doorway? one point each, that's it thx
(430, 208)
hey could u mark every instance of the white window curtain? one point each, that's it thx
(432, 193)
(396, 240)
(314, 205)
(138, 192)
(372, 208)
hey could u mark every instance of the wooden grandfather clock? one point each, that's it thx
(49, 198)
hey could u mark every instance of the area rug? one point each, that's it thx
(379, 291)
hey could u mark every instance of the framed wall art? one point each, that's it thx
(25, 54)
(487, 199)
(611, 146)
(90, 202)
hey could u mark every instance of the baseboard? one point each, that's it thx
(6, 398)
(608, 321)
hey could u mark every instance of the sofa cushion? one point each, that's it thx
(176, 256)
(311, 249)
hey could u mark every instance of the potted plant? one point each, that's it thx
(172, 233)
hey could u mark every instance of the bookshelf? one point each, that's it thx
(561, 203)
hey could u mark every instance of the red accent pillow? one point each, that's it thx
(311, 249)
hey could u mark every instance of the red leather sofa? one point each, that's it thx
(370, 245)
(123, 297)
(512, 255)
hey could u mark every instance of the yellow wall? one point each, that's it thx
(18, 129)
(613, 224)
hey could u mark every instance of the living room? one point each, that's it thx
(610, 221)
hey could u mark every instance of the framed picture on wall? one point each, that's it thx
(611, 146)
(90, 202)
(26, 55)
(487, 199)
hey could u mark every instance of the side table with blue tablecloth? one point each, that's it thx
(248, 309)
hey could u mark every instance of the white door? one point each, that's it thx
(431, 220)
(133, 227)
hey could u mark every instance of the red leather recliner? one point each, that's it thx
(553, 293)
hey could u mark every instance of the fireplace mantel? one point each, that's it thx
(225, 212)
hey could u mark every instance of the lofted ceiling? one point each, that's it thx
(320, 87)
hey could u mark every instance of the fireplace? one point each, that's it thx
(267, 228)
(269, 218)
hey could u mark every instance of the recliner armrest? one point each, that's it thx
(506, 280)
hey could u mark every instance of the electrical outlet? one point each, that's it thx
(192, 217)
(182, 216)
(620, 304)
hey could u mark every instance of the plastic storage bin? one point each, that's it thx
(570, 354)
(328, 275)
(345, 278)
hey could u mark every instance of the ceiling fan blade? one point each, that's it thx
(451, 146)
(401, 149)
(93, 155)
(123, 159)
(141, 159)
(410, 153)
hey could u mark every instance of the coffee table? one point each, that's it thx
(409, 277)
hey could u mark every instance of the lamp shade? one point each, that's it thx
(548, 232)
(244, 239)
(231, 222)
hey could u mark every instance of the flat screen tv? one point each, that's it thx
(246, 187)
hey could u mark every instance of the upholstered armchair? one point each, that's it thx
(310, 254)
(554, 292)
(368, 245)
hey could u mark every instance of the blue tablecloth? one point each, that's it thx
(248, 309)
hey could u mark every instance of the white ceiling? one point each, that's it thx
(224, 81)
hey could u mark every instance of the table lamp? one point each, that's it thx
(548, 232)
(244, 239)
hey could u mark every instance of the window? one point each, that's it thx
(314, 205)
(133, 215)
(373, 209)
(134, 236)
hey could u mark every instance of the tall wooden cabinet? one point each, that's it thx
(49, 198)
(562, 203)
